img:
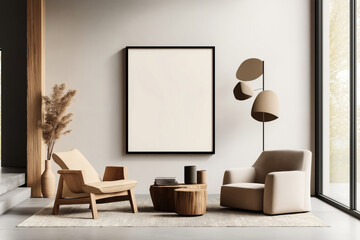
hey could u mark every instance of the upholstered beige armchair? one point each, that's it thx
(278, 182)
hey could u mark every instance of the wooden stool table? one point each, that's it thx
(163, 196)
(190, 202)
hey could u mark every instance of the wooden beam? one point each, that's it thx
(35, 89)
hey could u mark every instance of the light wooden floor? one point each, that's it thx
(343, 227)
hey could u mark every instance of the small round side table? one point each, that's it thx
(190, 202)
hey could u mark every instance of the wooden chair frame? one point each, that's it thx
(75, 181)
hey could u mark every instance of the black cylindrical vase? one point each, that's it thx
(190, 174)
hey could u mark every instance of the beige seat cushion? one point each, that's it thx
(109, 186)
(247, 196)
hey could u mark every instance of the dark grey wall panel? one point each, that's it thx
(14, 83)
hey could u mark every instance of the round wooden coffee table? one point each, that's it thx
(190, 202)
(163, 196)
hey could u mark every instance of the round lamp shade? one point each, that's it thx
(265, 107)
(250, 69)
(243, 91)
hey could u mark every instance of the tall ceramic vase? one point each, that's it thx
(48, 181)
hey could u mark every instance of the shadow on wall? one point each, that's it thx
(122, 56)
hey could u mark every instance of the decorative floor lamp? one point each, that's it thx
(266, 105)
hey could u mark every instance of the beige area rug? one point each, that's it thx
(119, 215)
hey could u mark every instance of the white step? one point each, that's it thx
(10, 181)
(13, 198)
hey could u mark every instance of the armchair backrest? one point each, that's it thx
(282, 160)
(74, 160)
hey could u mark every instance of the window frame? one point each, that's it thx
(351, 209)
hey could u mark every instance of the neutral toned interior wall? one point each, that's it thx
(85, 41)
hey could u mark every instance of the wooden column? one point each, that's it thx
(35, 89)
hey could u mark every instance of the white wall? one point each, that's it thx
(85, 41)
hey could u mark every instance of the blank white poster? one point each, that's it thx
(170, 99)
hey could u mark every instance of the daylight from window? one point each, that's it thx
(337, 98)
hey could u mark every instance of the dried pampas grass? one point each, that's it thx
(56, 120)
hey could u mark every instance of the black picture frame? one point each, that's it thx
(212, 150)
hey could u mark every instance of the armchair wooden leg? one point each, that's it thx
(56, 207)
(132, 201)
(55, 210)
(93, 206)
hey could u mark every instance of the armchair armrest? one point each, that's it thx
(74, 179)
(284, 192)
(113, 173)
(239, 175)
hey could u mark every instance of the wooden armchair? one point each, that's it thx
(79, 183)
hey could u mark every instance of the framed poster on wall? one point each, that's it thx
(170, 100)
